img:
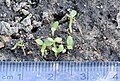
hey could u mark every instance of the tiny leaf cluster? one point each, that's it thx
(54, 44)
(49, 42)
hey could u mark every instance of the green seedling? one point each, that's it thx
(56, 44)
(57, 50)
(46, 43)
(19, 43)
(49, 42)
(60, 47)
(71, 15)
(54, 27)
(43, 49)
(69, 42)
(40, 42)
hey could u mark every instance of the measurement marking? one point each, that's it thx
(7, 77)
(71, 68)
(22, 64)
(51, 76)
(110, 75)
(20, 76)
(13, 71)
(117, 65)
(55, 72)
(86, 70)
(0, 67)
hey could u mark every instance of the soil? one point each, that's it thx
(96, 31)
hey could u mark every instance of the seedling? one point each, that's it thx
(60, 47)
(49, 42)
(18, 44)
(69, 42)
(40, 42)
(56, 44)
(71, 15)
(57, 50)
(54, 27)
(43, 49)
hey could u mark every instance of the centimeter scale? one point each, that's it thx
(59, 71)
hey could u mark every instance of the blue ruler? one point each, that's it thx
(59, 71)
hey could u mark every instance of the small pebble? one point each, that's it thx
(84, 5)
(16, 7)
(27, 20)
(6, 29)
(118, 20)
(8, 3)
(23, 4)
(29, 52)
(37, 23)
(98, 6)
(28, 28)
(1, 45)
(101, 6)
(31, 36)
(25, 12)
(4, 15)
(6, 38)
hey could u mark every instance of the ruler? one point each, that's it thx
(59, 71)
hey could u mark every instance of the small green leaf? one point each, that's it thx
(60, 48)
(39, 41)
(58, 39)
(54, 27)
(73, 13)
(55, 24)
(19, 43)
(54, 49)
(70, 42)
(49, 41)
(43, 49)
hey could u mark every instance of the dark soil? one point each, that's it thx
(95, 32)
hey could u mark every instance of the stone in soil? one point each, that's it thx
(1, 45)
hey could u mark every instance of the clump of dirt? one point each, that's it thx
(96, 32)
